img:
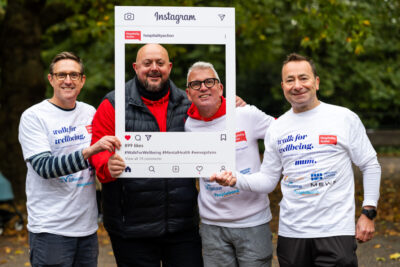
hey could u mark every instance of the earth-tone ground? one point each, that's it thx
(14, 250)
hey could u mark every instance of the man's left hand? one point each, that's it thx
(240, 102)
(365, 229)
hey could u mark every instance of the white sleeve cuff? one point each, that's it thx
(371, 182)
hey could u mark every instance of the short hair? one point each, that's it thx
(201, 65)
(296, 57)
(66, 55)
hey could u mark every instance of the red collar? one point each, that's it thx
(193, 112)
(160, 101)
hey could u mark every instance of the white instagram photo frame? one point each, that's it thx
(175, 154)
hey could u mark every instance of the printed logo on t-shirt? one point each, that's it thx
(71, 178)
(319, 180)
(68, 134)
(308, 161)
(294, 143)
(245, 171)
(220, 191)
(212, 187)
(241, 136)
(228, 193)
(327, 139)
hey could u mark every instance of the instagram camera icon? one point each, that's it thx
(129, 16)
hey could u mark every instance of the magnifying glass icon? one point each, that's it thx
(151, 169)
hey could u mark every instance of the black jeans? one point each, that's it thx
(181, 249)
(335, 251)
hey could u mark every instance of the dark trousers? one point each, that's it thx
(173, 250)
(63, 251)
(338, 251)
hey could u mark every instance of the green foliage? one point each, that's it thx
(391, 151)
(182, 57)
(355, 45)
(3, 4)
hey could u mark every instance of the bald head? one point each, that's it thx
(152, 66)
(149, 48)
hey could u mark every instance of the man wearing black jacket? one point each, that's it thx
(149, 220)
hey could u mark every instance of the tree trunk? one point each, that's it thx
(22, 82)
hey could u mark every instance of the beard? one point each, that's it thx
(151, 87)
(154, 87)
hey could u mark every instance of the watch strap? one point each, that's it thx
(370, 213)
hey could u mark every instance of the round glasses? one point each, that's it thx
(209, 83)
(61, 76)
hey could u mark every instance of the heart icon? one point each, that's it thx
(199, 168)
(127, 137)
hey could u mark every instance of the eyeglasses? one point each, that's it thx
(209, 83)
(61, 76)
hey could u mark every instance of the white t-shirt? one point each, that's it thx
(315, 149)
(65, 205)
(226, 206)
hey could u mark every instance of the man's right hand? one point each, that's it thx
(116, 165)
(108, 143)
(224, 178)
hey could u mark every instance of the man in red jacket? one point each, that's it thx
(149, 220)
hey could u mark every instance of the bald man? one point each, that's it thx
(149, 220)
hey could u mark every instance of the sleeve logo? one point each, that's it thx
(89, 128)
(327, 139)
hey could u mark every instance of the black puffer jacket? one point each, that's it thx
(150, 207)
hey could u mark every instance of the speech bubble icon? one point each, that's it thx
(133, 35)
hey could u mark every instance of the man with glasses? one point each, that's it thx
(234, 223)
(55, 137)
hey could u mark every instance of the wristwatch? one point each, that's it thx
(370, 213)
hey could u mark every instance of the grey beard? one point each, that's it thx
(153, 88)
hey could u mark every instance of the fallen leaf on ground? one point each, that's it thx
(22, 238)
(395, 256)
(392, 232)
(8, 250)
(110, 253)
(380, 259)
(377, 246)
(18, 252)
(27, 264)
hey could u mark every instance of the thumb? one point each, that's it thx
(213, 177)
